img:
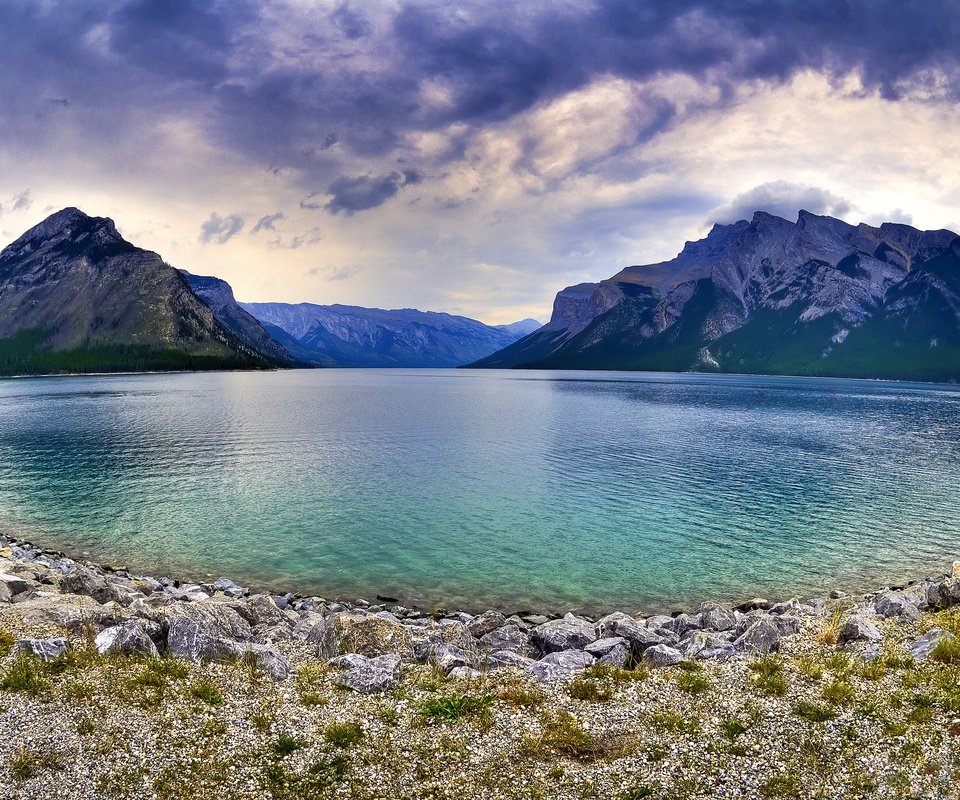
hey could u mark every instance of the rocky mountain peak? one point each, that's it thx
(73, 228)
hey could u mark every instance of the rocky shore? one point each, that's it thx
(121, 685)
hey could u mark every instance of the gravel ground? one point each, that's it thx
(815, 720)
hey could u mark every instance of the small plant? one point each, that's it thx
(24, 675)
(7, 641)
(287, 744)
(26, 763)
(343, 734)
(947, 651)
(589, 689)
(810, 667)
(768, 676)
(638, 792)
(781, 786)
(839, 693)
(733, 728)
(309, 680)
(85, 725)
(672, 722)
(562, 734)
(389, 717)
(813, 712)
(206, 690)
(694, 682)
(522, 695)
(454, 707)
(263, 718)
(830, 631)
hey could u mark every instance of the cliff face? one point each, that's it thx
(350, 336)
(77, 297)
(815, 297)
(217, 294)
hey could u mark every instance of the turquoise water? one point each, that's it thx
(486, 488)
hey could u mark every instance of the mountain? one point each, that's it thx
(75, 296)
(814, 297)
(218, 296)
(350, 336)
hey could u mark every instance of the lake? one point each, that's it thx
(473, 489)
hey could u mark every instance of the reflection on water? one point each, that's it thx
(473, 488)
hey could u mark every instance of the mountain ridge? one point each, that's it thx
(356, 336)
(816, 297)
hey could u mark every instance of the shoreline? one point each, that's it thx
(184, 576)
(130, 686)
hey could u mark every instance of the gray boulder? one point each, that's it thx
(705, 645)
(359, 632)
(449, 656)
(569, 633)
(924, 645)
(682, 623)
(944, 594)
(661, 655)
(761, 637)
(485, 623)
(858, 628)
(464, 673)
(259, 609)
(508, 637)
(505, 659)
(85, 581)
(206, 632)
(895, 604)
(560, 665)
(615, 651)
(14, 584)
(268, 660)
(715, 617)
(45, 649)
(638, 636)
(366, 675)
(131, 638)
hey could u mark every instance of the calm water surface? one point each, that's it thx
(488, 488)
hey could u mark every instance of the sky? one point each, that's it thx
(469, 157)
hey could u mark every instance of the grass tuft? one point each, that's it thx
(343, 734)
(813, 712)
(206, 690)
(454, 707)
(768, 677)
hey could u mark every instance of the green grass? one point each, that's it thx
(839, 693)
(287, 744)
(813, 712)
(732, 728)
(7, 640)
(589, 689)
(454, 707)
(25, 764)
(768, 677)
(25, 675)
(561, 734)
(947, 651)
(206, 690)
(694, 682)
(343, 734)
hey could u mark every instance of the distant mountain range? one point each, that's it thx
(813, 297)
(75, 296)
(350, 336)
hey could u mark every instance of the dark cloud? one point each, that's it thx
(782, 199)
(219, 230)
(349, 22)
(359, 194)
(272, 83)
(267, 222)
